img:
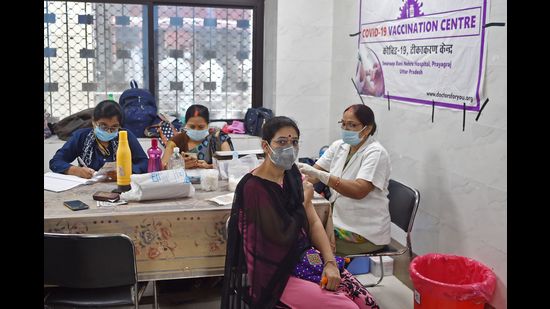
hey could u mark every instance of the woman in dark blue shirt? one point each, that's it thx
(98, 145)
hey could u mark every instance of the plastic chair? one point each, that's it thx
(404, 201)
(90, 270)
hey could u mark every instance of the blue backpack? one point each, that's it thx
(254, 120)
(139, 108)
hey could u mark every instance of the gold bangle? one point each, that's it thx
(337, 182)
(327, 261)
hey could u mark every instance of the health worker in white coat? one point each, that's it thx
(357, 170)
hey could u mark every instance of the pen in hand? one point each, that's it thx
(83, 171)
(81, 162)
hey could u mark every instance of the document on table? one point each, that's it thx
(222, 200)
(60, 182)
(107, 204)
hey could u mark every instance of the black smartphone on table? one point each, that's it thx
(106, 196)
(76, 205)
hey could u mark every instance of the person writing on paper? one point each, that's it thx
(357, 170)
(197, 142)
(272, 224)
(97, 145)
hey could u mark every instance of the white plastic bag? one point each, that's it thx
(168, 184)
(209, 179)
(238, 167)
(221, 166)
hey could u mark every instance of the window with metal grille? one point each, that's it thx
(200, 54)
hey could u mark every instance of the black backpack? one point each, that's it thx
(139, 109)
(254, 120)
(65, 128)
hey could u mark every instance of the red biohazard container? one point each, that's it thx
(450, 282)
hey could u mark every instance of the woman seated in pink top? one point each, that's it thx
(272, 223)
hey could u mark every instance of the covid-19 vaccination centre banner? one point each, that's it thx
(426, 52)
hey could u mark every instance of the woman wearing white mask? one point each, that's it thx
(197, 139)
(357, 170)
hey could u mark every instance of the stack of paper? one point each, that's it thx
(60, 182)
(222, 200)
(106, 204)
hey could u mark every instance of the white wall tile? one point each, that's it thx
(346, 14)
(303, 109)
(312, 140)
(270, 72)
(304, 43)
(270, 30)
(467, 198)
(461, 175)
(312, 124)
(491, 220)
(498, 11)
(344, 46)
(495, 112)
(306, 12)
(497, 38)
(303, 77)
(425, 233)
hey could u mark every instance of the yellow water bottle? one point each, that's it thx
(123, 162)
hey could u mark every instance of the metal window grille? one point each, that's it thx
(201, 55)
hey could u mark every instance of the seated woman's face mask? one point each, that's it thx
(283, 157)
(103, 135)
(197, 135)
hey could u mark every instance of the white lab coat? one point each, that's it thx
(369, 216)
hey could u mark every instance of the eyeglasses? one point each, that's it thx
(350, 125)
(104, 127)
(285, 142)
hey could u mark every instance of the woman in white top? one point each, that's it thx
(357, 170)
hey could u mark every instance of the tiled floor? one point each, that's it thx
(390, 294)
(394, 292)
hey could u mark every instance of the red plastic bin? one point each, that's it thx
(450, 282)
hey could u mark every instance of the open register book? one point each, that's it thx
(57, 182)
(60, 182)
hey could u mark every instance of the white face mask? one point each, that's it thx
(352, 137)
(197, 135)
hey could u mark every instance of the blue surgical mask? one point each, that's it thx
(103, 135)
(351, 137)
(283, 157)
(197, 135)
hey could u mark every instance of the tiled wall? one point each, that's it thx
(461, 175)
(309, 61)
(297, 66)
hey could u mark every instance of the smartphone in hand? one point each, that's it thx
(190, 155)
(76, 205)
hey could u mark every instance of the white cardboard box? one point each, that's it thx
(375, 266)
